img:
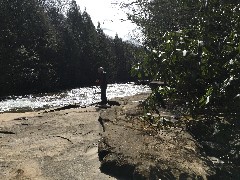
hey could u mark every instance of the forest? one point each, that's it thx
(48, 45)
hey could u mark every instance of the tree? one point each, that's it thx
(197, 58)
(105, 56)
(26, 38)
(121, 60)
(75, 44)
(89, 48)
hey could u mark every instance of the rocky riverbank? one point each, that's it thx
(56, 144)
(133, 149)
(100, 143)
(134, 146)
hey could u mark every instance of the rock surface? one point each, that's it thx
(130, 149)
(62, 143)
(55, 145)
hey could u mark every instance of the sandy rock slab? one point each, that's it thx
(50, 145)
(130, 149)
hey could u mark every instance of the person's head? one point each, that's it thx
(100, 69)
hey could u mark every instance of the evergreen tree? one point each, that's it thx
(26, 38)
(89, 48)
(105, 55)
(121, 61)
(75, 44)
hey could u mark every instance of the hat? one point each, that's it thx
(100, 69)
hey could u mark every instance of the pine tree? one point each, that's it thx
(27, 38)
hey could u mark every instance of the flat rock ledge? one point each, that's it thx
(132, 149)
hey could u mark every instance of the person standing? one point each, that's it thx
(103, 85)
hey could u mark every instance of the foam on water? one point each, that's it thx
(81, 96)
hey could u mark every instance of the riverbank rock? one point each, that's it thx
(51, 145)
(133, 149)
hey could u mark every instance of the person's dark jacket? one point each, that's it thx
(103, 80)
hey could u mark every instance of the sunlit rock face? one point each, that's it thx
(80, 96)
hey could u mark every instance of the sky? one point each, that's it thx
(110, 16)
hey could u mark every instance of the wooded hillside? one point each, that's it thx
(48, 45)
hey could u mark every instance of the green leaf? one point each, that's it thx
(139, 75)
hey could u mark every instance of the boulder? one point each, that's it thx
(132, 149)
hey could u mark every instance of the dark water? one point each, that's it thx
(81, 96)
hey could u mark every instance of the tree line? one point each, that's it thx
(48, 45)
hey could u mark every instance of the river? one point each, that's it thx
(81, 96)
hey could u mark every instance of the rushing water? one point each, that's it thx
(81, 96)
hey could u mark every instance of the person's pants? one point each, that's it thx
(103, 96)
